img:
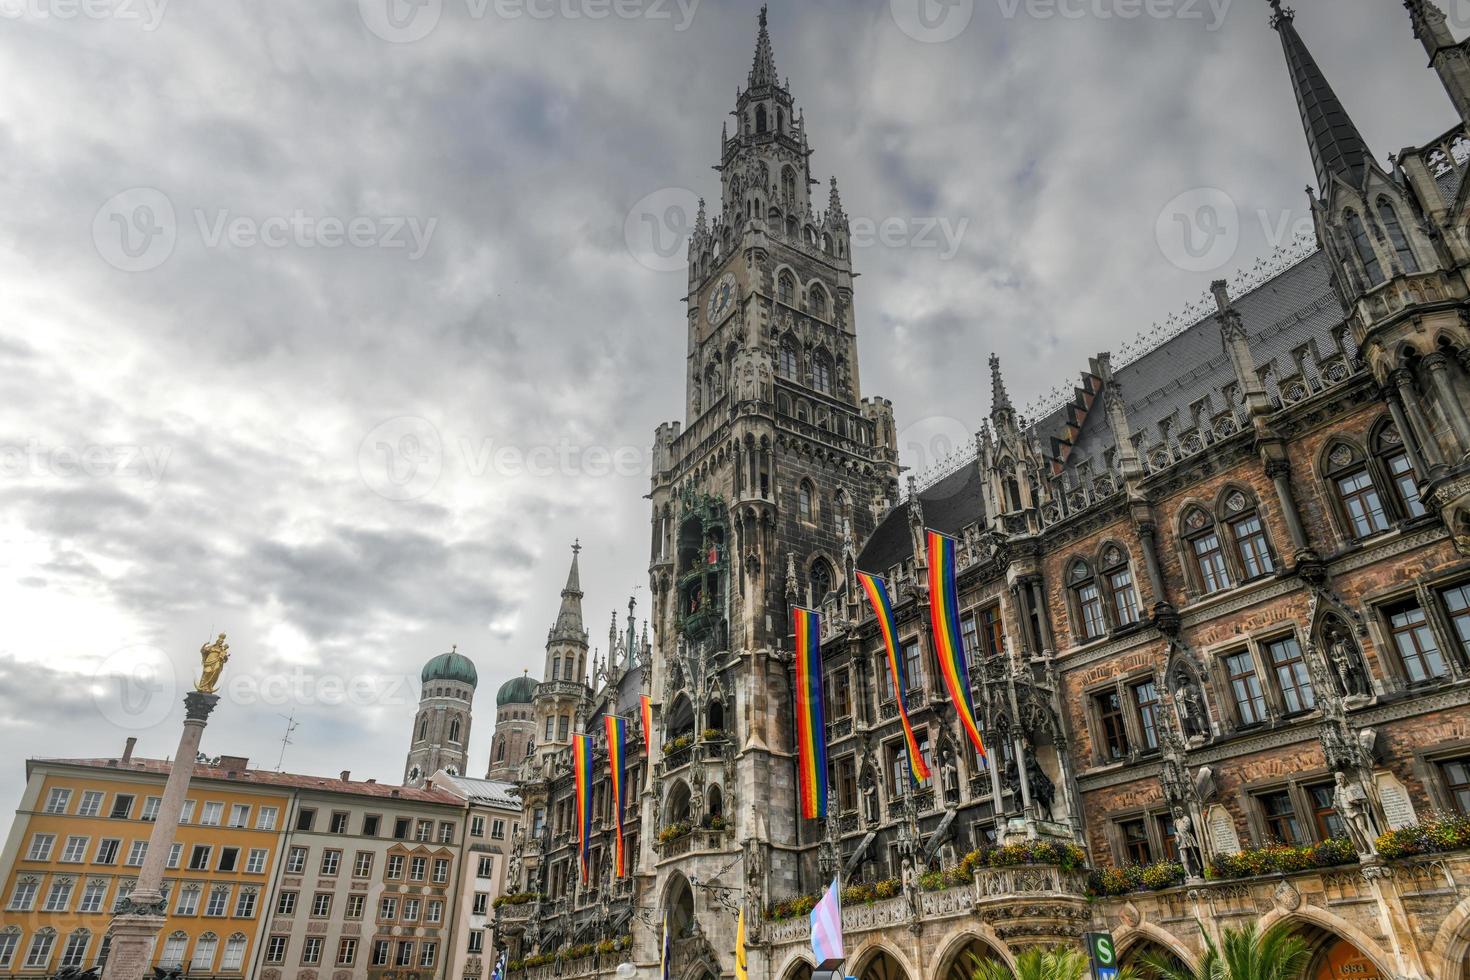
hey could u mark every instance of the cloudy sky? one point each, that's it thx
(331, 325)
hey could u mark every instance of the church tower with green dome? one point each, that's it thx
(515, 728)
(441, 728)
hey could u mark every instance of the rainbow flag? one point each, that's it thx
(617, 765)
(877, 594)
(949, 646)
(582, 769)
(811, 727)
(647, 707)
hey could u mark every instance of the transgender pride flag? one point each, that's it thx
(827, 928)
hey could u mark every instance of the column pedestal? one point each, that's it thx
(138, 919)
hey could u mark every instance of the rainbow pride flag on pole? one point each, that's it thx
(582, 768)
(646, 706)
(811, 727)
(617, 765)
(877, 594)
(949, 645)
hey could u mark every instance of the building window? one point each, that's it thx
(245, 904)
(57, 800)
(1279, 818)
(1456, 773)
(175, 855)
(239, 815)
(266, 818)
(346, 952)
(441, 871)
(1136, 847)
(219, 901)
(122, 807)
(1396, 236)
(213, 813)
(1087, 601)
(786, 289)
(139, 849)
(338, 823)
(434, 911)
(788, 360)
(992, 631)
(1388, 446)
(1362, 504)
(286, 904)
(417, 868)
(150, 808)
(229, 857)
(355, 904)
(476, 942)
(387, 909)
(405, 953)
(204, 949)
(1146, 703)
(311, 951)
(107, 849)
(1364, 247)
(172, 957)
(75, 851)
(59, 897)
(331, 862)
(1457, 605)
(1292, 676)
(91, 803)
(410, 910)
(1245, 686)
(563, 728)
(41, 845)
(1125, 597)
(234, 958)
(913, 666)
(188, 901)
(1209, 561)
(305, 817)
(275, 949)
(75, 950)
(486, 867)
(839, 694)
(1414, 640)
(1110, 718)
(395, 867)
(381, 950)
(321, 905)
(1325, 818)
(93, 895)
(1251, 547)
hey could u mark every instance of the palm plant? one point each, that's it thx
(1244, 954)
(1060, 963)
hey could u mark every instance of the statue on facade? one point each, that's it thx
(1343, 655)
(213, 656)
(950, 777)
(1191, 705)
(1043, 790)
(870, 801)
(910, 879)
(1352, 803)
(1190, 854)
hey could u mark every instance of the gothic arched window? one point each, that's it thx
(1087, 602)
(793, 227)
(1388, 446)
(1363, 245)
(822, 372)
(1207, 556)
(788, 364)
(786, 288)
(423, 727)
(500, 752)
(1119, 576)
(454, 730)
(817, 301)
(555, 668)
(1248, 539)
(761, 123)
(806, 501)
(821, 579)
(1396, 236)
(1358, 503)
(788, 183)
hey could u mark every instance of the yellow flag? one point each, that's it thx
(741, 968)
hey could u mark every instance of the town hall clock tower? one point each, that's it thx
(760, 499)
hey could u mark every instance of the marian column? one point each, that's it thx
(137, 919)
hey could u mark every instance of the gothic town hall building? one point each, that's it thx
(1217, 619)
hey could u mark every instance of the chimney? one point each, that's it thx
(346, 775)
(372, 782)
(234, 763)
(127, 755)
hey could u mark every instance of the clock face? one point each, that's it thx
(721, 300)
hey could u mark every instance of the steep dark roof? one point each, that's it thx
(1338, 149)
(1294, 308)
(948, 505)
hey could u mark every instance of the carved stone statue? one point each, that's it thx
(1346, 664)
(950, 775)
(910, 879)
(1043, 791)
(1191, 705)
(1351, 802)
(1188, 844)
(214, 657)
(870, 801)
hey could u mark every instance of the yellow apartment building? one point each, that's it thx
(77, 843)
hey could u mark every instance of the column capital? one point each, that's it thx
(198, 705)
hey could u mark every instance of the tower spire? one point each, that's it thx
(1000, 399)
(569, 616)
(763, 71)
(1338, 149)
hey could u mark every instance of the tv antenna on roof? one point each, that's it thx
(291, 726)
